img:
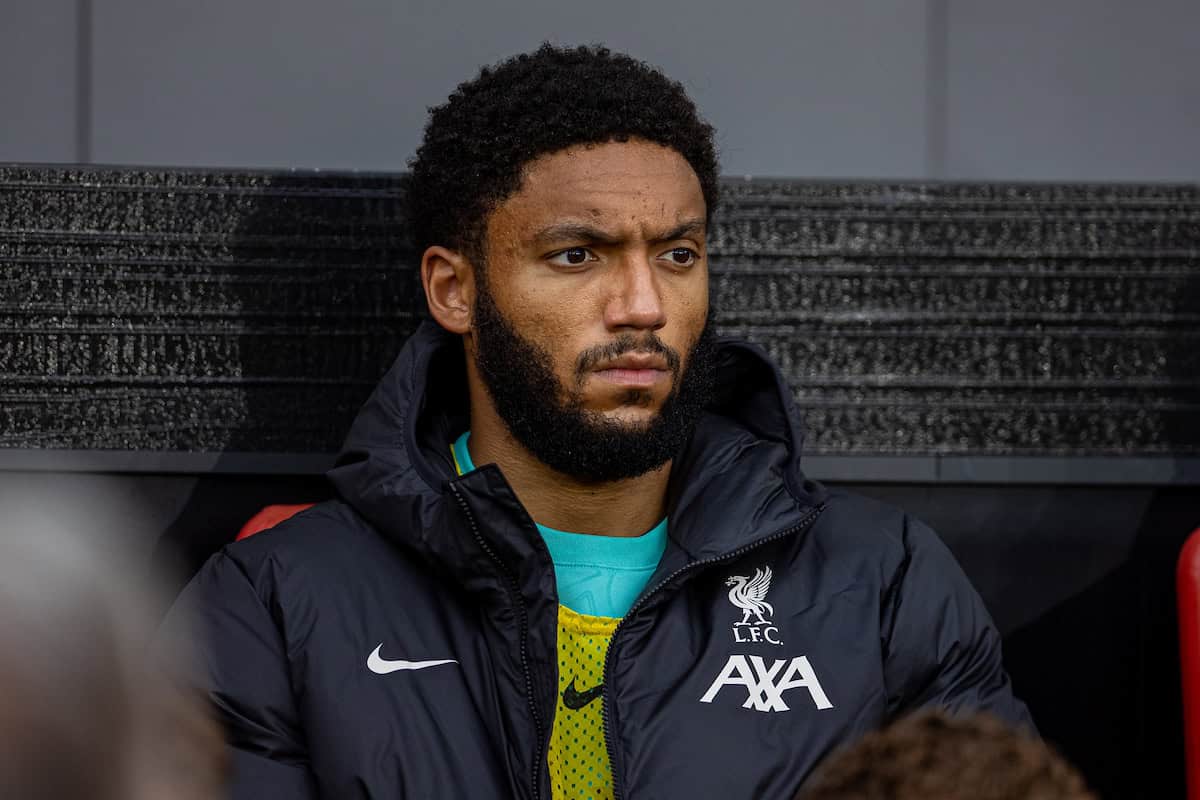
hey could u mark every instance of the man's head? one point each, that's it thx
(562, 199)
(934, 755)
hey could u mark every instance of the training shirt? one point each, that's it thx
(598, 577)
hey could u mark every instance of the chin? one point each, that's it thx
(634, 418)
(631, 402)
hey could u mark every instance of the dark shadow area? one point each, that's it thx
(215, 511)
(1102, 669)
(1027, 549)
(1081, 582)
(323, 289)
(1181, 359)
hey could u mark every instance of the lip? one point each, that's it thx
(633, 370)
(635, 361)
(632, 378)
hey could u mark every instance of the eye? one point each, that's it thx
(572, 257)
(681, 256)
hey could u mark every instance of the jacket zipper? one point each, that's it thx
(741, 551)
(523, 616)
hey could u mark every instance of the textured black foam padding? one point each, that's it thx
(186, 310)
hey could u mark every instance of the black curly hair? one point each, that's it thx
(477, 143)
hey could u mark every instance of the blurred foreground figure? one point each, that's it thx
(934, 756)
(84, 711)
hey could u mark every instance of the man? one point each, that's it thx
(636, 593)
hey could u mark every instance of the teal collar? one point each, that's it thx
(581, 549)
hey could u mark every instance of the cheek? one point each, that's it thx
(699, 293)
(691, 311)
(555, 333)
(558, 315)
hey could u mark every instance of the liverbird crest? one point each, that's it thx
(750, 595)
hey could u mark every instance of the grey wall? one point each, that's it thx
(1067, 90)
(1073, 89)
(38, 92)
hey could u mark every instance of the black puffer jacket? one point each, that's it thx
(784, 619)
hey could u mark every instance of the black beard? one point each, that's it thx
(550, 421)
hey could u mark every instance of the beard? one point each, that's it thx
(549, 419)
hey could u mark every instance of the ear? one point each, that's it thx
(449, 281)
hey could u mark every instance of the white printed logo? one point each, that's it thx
(750, 595)
(382, 666)
(765, 685)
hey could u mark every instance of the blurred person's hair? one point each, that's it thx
(84, 709)
(932, 755)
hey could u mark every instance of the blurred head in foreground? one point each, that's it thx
(934, 756)
(83, 711)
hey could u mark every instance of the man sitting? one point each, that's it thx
(573, 552)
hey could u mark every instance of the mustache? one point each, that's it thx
(649, 344)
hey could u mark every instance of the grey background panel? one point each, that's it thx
(961, 89)
(795, 88)
(37, 80)
(1073, 90)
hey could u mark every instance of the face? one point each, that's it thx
(589, 325)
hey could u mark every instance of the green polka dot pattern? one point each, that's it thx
(578, 757)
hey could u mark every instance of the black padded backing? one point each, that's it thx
(171, 313)
(187, 310)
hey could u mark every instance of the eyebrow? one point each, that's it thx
(689, 227)
(573, 231)
(582, 232)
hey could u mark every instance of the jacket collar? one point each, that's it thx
(738, 479)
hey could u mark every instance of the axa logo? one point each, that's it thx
(765, 685)
(750, 595)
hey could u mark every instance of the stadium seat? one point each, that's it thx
(269, 517)
(1187, 584)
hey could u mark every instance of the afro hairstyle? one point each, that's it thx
(477, 144)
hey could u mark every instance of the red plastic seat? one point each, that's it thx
(1187, 587)
(269, 517)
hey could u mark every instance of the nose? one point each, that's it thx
(636, 300)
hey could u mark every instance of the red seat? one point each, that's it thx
(1187, 587)
(269, 517)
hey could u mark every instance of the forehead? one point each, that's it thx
(629, 187)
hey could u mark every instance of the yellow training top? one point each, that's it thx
(578, 756)
(601, 575)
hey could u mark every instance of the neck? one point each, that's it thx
(619, 508)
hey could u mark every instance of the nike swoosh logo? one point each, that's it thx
(382, 666)
(575, 699)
